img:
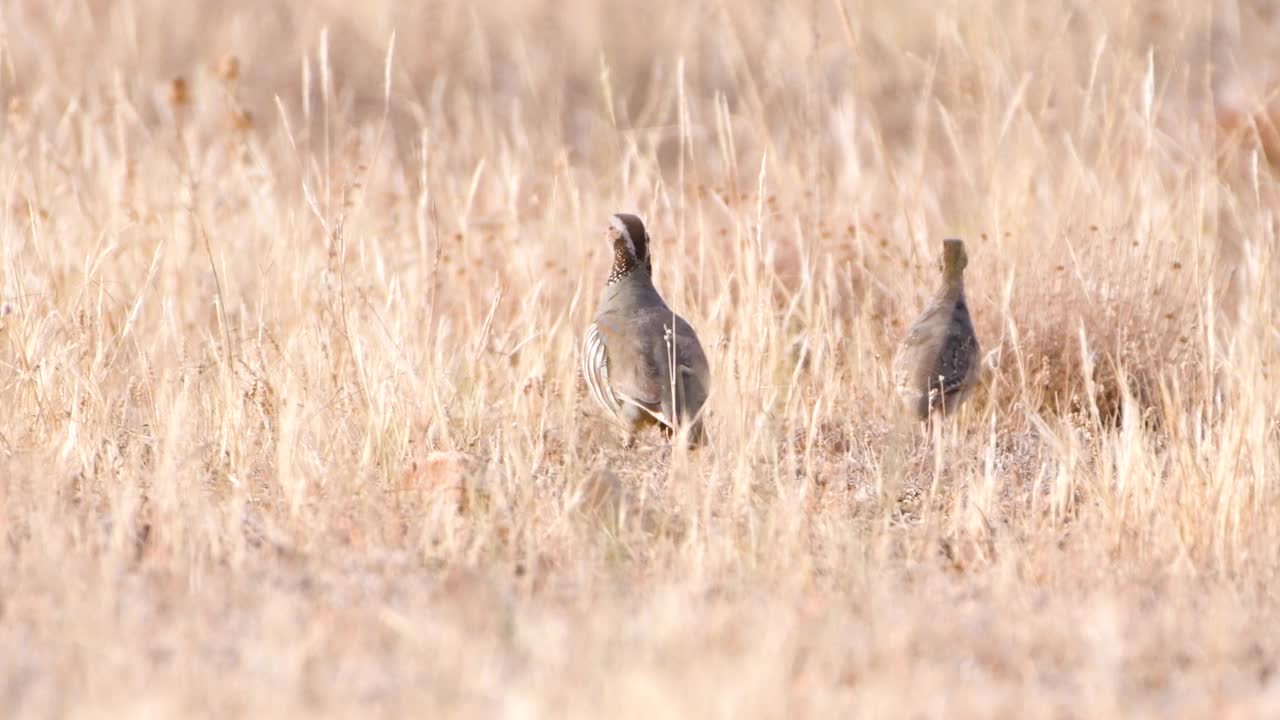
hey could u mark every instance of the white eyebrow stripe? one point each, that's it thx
(617, 223)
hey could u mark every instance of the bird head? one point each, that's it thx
(626, 232)
(630, 244)
(954, 258)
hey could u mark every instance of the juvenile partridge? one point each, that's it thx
(642, 362)
(937, 365)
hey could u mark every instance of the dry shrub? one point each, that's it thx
(1102, 316)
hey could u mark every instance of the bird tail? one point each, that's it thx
(691, 398)
(697, 434)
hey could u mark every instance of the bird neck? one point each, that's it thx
(952, 286)
(626, 265)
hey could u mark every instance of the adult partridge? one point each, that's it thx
(642, 362)
(936, 367)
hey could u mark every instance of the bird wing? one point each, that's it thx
(916, 356)
(928, 326)
(639, 348)
(692, 376)
(957, 356)
(630, 375)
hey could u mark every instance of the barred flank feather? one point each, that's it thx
(595, 370)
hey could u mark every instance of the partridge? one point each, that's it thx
(936, 367)
(642, 362)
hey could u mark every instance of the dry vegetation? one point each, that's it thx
(288, 359)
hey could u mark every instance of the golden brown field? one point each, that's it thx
(292, 418)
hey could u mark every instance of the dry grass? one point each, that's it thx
(292, 424)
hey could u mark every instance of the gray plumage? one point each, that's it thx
(643, 363)
(936, 367)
